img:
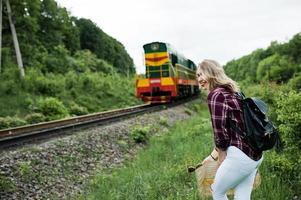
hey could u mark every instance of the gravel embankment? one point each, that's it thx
(60, 168)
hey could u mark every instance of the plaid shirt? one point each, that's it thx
(225, 108)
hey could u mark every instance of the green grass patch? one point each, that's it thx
(6, 184)
(160, 170)
(140, 134)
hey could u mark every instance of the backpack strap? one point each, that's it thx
(241, 96)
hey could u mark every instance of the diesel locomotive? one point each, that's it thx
(168, 75)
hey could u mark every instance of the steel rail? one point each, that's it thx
(27, 130)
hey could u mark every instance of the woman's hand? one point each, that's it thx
(221, 156)
(207, 159)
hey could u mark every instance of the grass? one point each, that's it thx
(6, 184)
(160, 170)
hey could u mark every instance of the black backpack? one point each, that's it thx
(260, 133)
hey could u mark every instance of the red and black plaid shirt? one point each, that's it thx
(225, 108)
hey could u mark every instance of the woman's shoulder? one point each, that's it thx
(217, 93)
(220, 93)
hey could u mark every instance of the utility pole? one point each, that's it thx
(0, 35)
(15, 39)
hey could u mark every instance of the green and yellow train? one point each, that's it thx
(168, 75)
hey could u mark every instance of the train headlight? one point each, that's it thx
(155, 46)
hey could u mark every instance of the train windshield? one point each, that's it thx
(157, 71)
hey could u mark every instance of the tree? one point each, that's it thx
(279, 62)
(57, 27)
(275, 68)
(104, 46)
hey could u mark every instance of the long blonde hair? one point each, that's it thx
(214, 73)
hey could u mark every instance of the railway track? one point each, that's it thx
(14, 137)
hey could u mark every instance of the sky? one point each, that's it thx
(215, 29)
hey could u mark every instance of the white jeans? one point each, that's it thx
(236, 171)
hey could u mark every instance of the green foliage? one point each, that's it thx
(104, 46)
(244, 69)
(49, 36)
(85, 60)
(52, 108)
(163, 121)
(24, 169)
(88, 89)
(40, 25)
(10, 86)
(7, 58)
(140, 134)
(7, 122)
(34, 118)
(295, 82)
(293, 48)
(196, 106)
(80, 92)
(59, 26)
(76, 109)
(4, 123)
(6, 184)
(49, 85)
(275, 68)
(61, 62)
(279, 63)
(289, 116)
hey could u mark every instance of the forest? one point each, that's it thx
(71, 66)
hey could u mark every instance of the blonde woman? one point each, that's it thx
(238, 163)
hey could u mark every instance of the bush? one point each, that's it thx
(76, 109)
(59, 61)
(275, 68)
(48, 85)
(86, 60)
(140, 134)
(295, 83)
(8, 122)
(289, 115)
(163, 121)
(52, 108)
(104, 67)
(9, 87)
(4, 123)
(34, 118)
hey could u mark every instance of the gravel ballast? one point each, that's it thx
(62, 167)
